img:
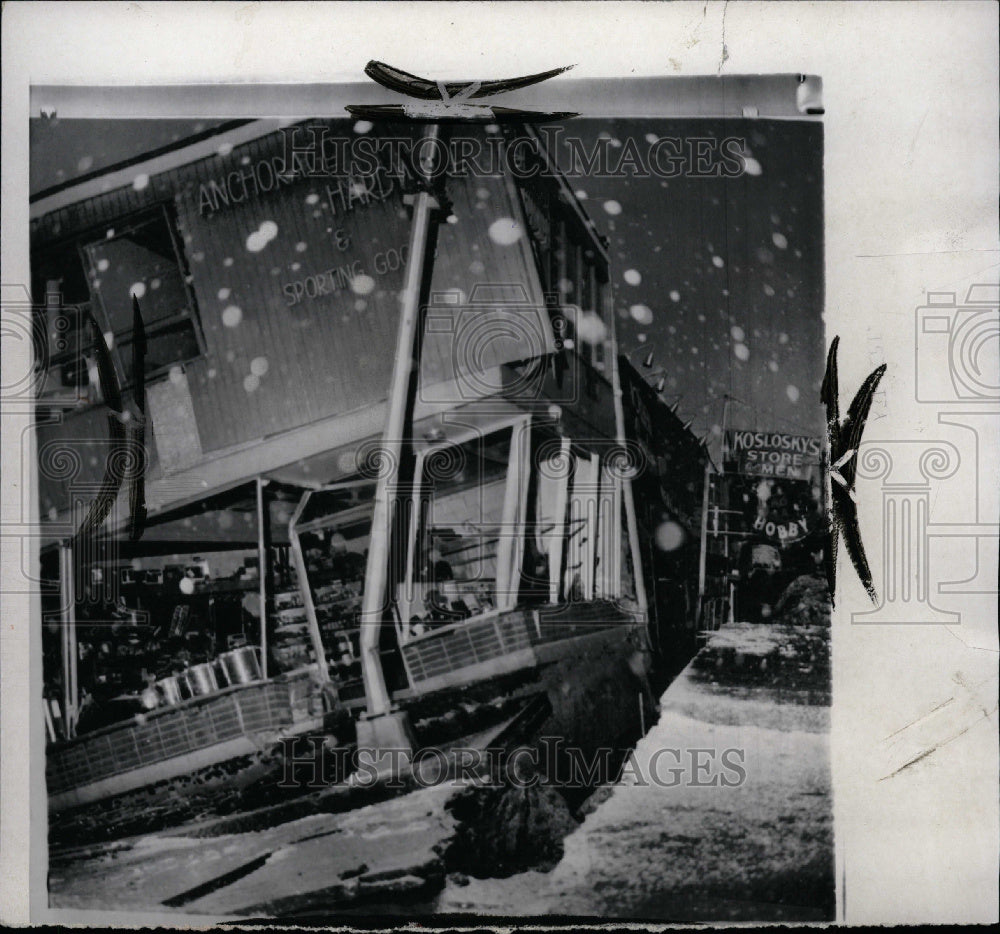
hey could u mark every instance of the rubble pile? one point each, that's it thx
(805, 602)
(506, 830)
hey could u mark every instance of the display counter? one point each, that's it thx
(180, 738)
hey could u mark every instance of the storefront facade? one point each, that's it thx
(270, 299)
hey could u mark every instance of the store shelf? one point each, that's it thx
(291, 629)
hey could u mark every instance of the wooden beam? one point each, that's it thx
(263, 553)
(301, 573)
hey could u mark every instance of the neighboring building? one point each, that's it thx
(668, 494)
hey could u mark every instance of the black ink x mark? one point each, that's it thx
(395, 79)
(845, 439)
(448, 101)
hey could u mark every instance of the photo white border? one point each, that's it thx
(911, 98)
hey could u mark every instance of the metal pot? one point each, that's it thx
(221, 675)
(170, 689)
(242, 665)
(201, 679)
(184, 683)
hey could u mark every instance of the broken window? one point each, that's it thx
(96, 275)
(142, 258)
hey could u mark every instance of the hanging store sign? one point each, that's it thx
(782, 510)
(772, 454)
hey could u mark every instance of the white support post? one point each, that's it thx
(510, 546)
(616, 392)
(592, 511)
(633, 537)
(377, 572)
(612, 537)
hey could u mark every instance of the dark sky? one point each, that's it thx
(730, 270)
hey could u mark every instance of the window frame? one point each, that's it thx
(514, 506)
(552, 542)
(588, 515)
(609, 537)
(123, 339)
(602, 515)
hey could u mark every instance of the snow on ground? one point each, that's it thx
(722, 813)
(756, 849)
(328, 855)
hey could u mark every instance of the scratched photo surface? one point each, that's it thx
(433, 508)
